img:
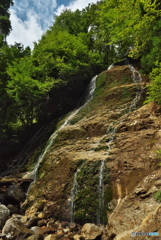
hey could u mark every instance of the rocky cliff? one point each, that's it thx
(103, 166)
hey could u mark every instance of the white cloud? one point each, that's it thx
(80, 4)
(31, 18)
(74, 5)
(25, 32)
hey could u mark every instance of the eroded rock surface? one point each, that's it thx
(115, 128)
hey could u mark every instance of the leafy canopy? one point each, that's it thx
(5, 24)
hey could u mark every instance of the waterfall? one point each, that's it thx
(136, 77)
(101, 203)
(88, 97)
(73, 194)
(111, 66)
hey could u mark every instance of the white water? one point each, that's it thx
(111, 66)
(90, 91)
(136, 77)
(101, 204)
(101, 192)
(73, 194)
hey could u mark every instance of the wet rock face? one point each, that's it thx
(127, 138)
(86, 199)
(85, 138)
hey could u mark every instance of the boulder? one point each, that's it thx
(2, 236)
(14, 228)
(73, 227)
(91, 231)
(78, 237)
(41, 223)
(15, 192)
(13, 209)
(33, 222)
(36, 237)
(51, 237)
(4, 215)
(43, 230)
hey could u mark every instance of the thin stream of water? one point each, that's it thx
(101, 204)
(136, 77)
(90, 91)
(73, 194)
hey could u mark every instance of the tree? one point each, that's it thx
(25, 90)
(84, 25)
(63, 55)
(8, 110)
(5, 24)
(154, 89)
(132, 26)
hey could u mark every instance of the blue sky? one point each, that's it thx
(31, 18)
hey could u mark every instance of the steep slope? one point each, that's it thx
(105, 161)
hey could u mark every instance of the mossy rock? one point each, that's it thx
(74, 133)
(87, 199)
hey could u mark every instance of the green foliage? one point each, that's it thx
(66, 51)
(157, 196)
(25, 89)
(5, 24)
(8, 110)
(61, 54)
(133, 27)
(154, 89)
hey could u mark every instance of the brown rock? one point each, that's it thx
(41, 223)
(15, 192)
(91, 231)
(51, 237)
(33, 222)
(78, 237)
(14, 228)
(36, 237)
(4, 215)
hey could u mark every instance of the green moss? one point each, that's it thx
(126, 93)
(87, 197)
(42, 175)
(105, 148)
(157, 196)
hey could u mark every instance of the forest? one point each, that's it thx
(79, 44)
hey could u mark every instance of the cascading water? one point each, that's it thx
(100, 218)
(72, 197)
(100, 205)
(73, 193)
(136, 77)
(88, 97)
